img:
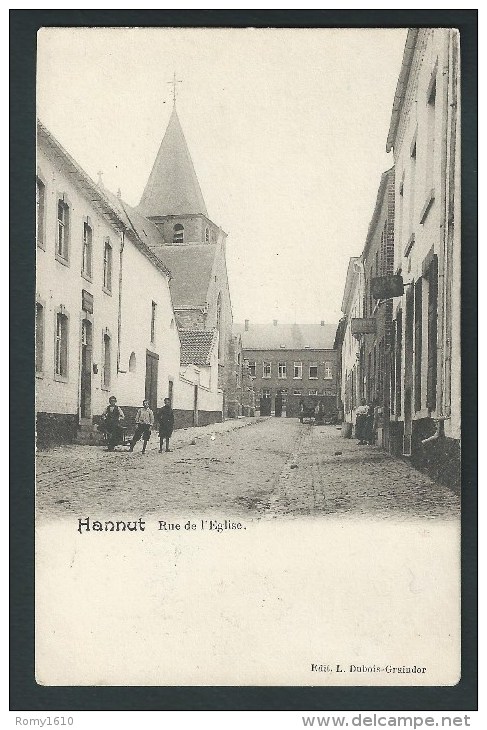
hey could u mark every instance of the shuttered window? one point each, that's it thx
(432, 275)
(418, 342)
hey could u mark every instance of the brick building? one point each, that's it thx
(375, 347)
(290, 360)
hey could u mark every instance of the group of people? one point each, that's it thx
(365, 423)
(113, 417)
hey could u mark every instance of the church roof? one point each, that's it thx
(286, 336)
(191, 266)
(173, 188)
(196, 346)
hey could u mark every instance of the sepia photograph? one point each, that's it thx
(248, 357)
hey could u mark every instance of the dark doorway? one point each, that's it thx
(278, 406)
(408, 372)
(86, 365)
(151, 373)
(265, 406)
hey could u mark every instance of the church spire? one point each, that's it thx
(172, 188)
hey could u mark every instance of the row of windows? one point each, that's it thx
(61, 345)
(267, 392)
(63, 236)
(297, 370)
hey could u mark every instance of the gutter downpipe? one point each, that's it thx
(120, 281)
(442, 303)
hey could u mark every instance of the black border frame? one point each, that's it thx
(25, 693)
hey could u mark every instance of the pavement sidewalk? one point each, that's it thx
(180, 438)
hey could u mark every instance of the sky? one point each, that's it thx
(287, 131)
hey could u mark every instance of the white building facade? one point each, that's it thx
(424, 135)
(105, 323)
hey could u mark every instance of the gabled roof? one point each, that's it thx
(401, 86)
(173, 188)
(191, 266)
(108, 205)
(196, 346)
(286, 336)
(386, 177)
(354, 267)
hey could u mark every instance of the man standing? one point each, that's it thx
(166, 424)
(111, 419)
(144, 420)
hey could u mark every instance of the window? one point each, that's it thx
(298, 370)
(207, 235)
(266, 369)
(297, 391)
(282, 370)
(107, 266)
(132, 363)
(61, 346)
(62, 242)
(312, 391)
(39, 337)
(252, 368)
(153, 323)
(266, 393)
(328, 370)
(86, 267)
(106, 352)
(313, 370)
(40, 211)
(178, 233)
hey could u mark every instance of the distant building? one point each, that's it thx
(289, 360)
(424, 135)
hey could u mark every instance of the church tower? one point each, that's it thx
(172, 198)
(193, 248)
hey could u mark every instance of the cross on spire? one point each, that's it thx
(174, 83)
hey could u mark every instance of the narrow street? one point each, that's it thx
(344, 555)
(250, 467)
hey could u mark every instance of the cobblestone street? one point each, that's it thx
(251, 467)
(345, 555)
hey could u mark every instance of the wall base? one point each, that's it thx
(56, 429)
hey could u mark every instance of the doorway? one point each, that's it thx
(151, 374)
(86, 366)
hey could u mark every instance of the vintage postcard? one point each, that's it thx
(248, 357)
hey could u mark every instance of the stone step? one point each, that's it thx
(88, 435)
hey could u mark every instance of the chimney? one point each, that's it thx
(246, 325)
(322, 322)
(275, 323)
